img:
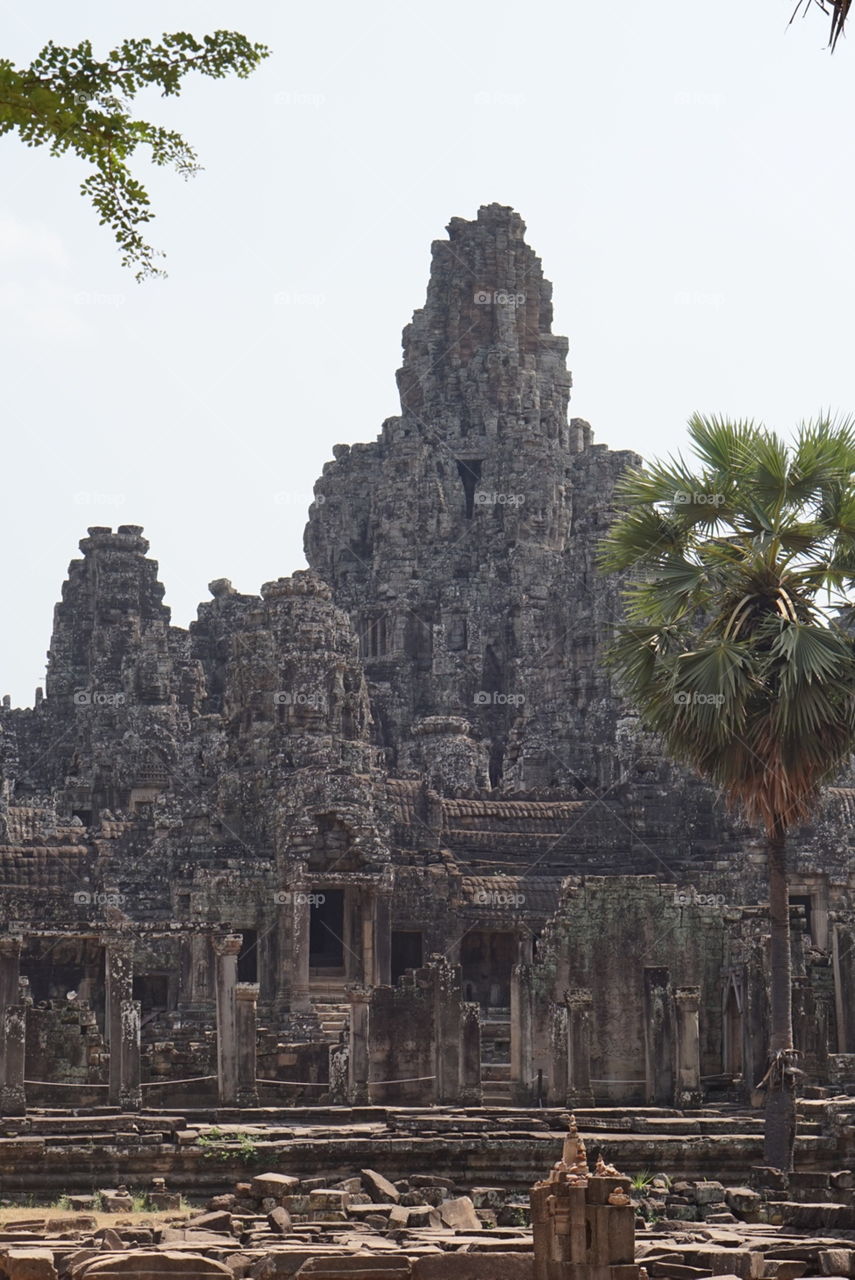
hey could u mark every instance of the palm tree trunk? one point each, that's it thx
(780, 1127)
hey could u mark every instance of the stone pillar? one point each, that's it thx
(10, 970)
(358, 1063)
(119, 973)
(227, 949)
(130, 1093)
(658, 1038)
(470, 1055)
(13, 1099)
(688, 1092)
(300, 918)
(522, 1067)
(558, 1047)
(446, 1026)
(246, 1022)
(579, 1004)
(383, 938)
(369, 914)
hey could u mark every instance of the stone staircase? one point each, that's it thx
(496, 1058)
(332, 1007)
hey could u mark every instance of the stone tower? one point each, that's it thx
(462, 541)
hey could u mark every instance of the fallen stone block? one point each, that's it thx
(148, 1264)
(474, 1266)
(28, 1264)
(459, 1214)
(488, 1197)
(784, 1269)
(709, 1193)
(360, 1267)
(328, 1199)
(279, 1219)
(380, 1189)
(741, 1200)
(836, 1262)
(112, 1241)
(276, 1185)
(221, 1221)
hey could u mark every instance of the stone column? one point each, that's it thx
(579, 1004)
(470, 1055)
(10, 970)
(13, 1099)
(358, 1064)
(558, 1047)
(300, 917)
(687, 1092)
(130, 1093)
(369, 908)
(119, 972)
(521, 1033)
(658, 1038)
(246, 1021)
(227, 949)
(383, 937)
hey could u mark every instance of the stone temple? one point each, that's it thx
(385, 833)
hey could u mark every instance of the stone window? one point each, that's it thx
(470, 473)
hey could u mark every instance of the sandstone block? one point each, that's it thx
(475, 1266)
(708, 1193)
(147, 1264)
(459, 1214)
(28, 1264)
(380, 1189)
(276, 1185)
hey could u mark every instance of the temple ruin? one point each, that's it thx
(384, 834)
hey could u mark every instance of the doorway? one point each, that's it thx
(326, 930)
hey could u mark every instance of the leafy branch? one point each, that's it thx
(70, 101)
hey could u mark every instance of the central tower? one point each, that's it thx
(449, 539)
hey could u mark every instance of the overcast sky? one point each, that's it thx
(685, 171)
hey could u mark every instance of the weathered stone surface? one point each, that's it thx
(146, 1265)
(379, 1188)
(28, 1264)
(459, 1214)
(474, 1266)
(273, 1184)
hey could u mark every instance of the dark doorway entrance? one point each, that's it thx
(406, 951)
(487, 960)
(247, 965)
(326, 929)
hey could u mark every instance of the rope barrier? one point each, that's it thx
(162, 1084)
(405, 1080)
(61, 1084)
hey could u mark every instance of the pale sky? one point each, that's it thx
(685, 171)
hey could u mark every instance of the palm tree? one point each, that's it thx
(839, 11)
(735, 648)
